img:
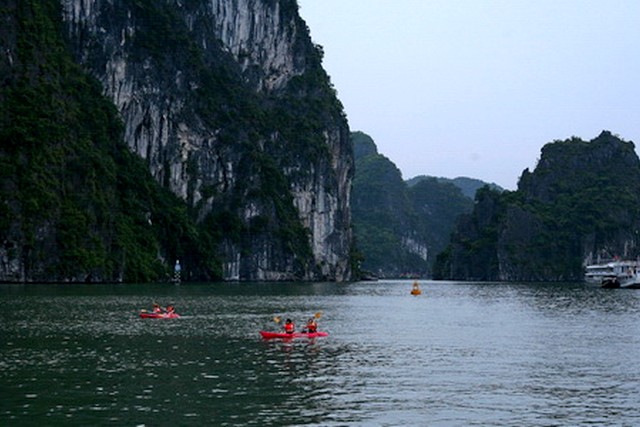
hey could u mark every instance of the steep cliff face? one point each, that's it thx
(228, 104)
(399, 227)
(581, 203)
(76, 205)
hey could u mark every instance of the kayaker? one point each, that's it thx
(157, 308)
(312, 326)
(289, 326)
(170, 309)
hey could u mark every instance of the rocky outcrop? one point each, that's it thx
(399, 227)
(580, 203)
(227, 103)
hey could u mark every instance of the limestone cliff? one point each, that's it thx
(399, 227)
(228, 104)
(581, 203)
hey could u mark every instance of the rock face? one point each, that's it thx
(580, 204)
(227, 103)
(399, 227)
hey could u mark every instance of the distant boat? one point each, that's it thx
(614, 274)
(368, 276)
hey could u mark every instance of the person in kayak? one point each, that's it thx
(157, 308)
(170, 309)
(312, 326)
(289, 326)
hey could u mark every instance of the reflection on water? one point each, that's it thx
(460, 354)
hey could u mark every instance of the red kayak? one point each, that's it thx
(150, 315)
(269, 335)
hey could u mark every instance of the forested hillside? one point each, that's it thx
(77, 205)
(399, 228)
(581, 202)
(468, 186)
(136, 133)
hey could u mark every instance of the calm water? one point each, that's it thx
(459, 355)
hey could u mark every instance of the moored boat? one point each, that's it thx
(614, 274)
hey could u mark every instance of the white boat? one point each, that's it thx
(614, 274)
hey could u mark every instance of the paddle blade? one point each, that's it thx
(318, 315)
(276, 319)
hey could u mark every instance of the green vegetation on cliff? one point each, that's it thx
(380, 211)
(468, 186)
(399, 228)
(76, 205)
(581, 202)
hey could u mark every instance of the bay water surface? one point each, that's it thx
(460, 354)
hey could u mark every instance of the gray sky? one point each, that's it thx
(477, 87)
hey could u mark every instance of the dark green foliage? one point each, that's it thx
(468, 186)
(582, 199)
(437, 204)
(363, 145)
(76, 205)
(399, 228)
(156, 33)
(477, 233)
(268, 131)
(272, 192)
(379, 208)
(299, 115)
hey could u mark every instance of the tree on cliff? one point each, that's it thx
(139, 132)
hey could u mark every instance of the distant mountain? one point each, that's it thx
(399, 228)
(469, 186)
(363, 145)
(581, 202)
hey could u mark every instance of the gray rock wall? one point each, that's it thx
(267, 44)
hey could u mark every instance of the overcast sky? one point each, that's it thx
(477, 87)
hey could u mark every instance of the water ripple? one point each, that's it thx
(461, 354)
